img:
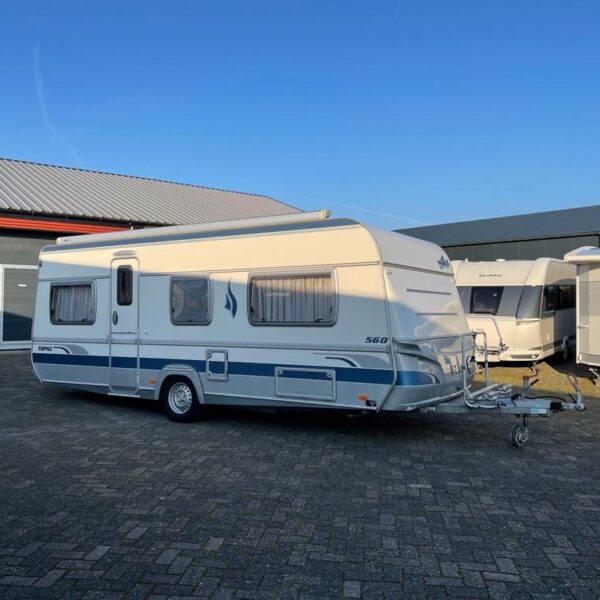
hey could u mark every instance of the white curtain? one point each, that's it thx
(303, 299)
(72, 303)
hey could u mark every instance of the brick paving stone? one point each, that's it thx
(352, 589)
(105, 498)
(167, 556)
(50, 578)
(214, 544)
(97, 553)
(17, 580)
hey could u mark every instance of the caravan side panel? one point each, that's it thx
(75, 354)
(588, 312)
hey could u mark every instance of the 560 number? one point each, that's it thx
(376, 340)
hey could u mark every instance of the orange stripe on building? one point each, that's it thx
(58, 226)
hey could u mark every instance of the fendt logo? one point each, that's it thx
(230, 302)
(443, 262)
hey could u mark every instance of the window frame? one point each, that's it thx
(545, 311)
(72, 283)
(209, 314)
(486, 287)
(124, 269)
(290, 275)
(572, 296)
(538, 289)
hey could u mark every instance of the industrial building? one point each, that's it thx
(529, 236)
(40, 202)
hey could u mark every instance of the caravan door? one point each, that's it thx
(124, 336)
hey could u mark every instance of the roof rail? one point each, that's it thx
(133, 234)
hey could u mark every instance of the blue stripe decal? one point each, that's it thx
(346, 374)
(86, 360)
(124, 362)
(415, 378)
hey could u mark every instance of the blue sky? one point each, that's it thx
(400, 112)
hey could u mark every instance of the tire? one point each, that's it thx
(519, 435)
(564, 354)
(180, 401)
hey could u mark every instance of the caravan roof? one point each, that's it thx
(584, 255)
(383, 246)
(503, 272)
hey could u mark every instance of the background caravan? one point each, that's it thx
(299, 310)
(525, 307)
(587, 261)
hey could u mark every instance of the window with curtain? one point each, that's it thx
(190, 301)
(72, 304)
(293, 300)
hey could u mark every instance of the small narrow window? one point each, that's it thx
(292, 300)
(190, 301)
(485, 300)
(124, 285)
(72, 304)
(549, 299)
(464, 293)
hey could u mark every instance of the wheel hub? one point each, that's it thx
(180, 398)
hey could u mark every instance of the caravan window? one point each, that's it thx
(548, 300)
(190, 301)
(72, 304)
(485, 300)
(464, 293)
(124, 285)
(530, 302)
(565, 297)
(292, 300)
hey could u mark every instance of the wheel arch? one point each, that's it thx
(176, 371)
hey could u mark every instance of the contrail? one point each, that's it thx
(39, 89)
(377, 213)
(398, 6)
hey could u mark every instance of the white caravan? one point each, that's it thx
(587, 262)
(526, 308)
(298, 310)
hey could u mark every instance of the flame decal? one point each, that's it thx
(230, 302)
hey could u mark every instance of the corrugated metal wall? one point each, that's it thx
(17, 286)
(18, 300)
(22, 248)
(524, 250)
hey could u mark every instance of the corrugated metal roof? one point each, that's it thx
(551, 224)
(40, 189)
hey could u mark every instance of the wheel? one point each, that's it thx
(180, 402)
(519, 435)
(565, 353)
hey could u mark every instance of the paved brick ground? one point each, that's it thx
(104, 498)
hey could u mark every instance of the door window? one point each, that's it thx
(124, 285)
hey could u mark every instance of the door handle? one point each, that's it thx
(115, 317)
